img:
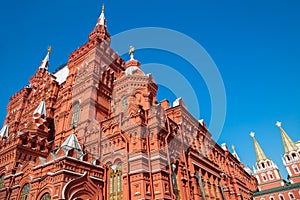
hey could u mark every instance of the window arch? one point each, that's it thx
(25, 192)
(2, 181)
(271, 177)
(281, 197)
(46, 196)
(264, 177)
(75, 115)
(272, 198)
(291, 195)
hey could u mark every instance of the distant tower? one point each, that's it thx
(291, 157)
(266, 172)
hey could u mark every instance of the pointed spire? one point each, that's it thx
(288, 144)
(45, 62)
(101, 19)
(260, 155)
(4, 131)
(41, 109)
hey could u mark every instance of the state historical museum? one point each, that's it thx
(94, 130)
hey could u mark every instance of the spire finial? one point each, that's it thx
(232, 147)
(131, 52)
(252, 134)
(49, 49)
(278, 124)
(101, 19)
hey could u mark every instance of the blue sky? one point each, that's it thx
(255, 45)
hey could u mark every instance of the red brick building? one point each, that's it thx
(271, 186)
(94, 130)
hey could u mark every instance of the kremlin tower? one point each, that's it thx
(270, 184)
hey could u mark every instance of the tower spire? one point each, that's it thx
(288, 144)
(101, 19)
(45, 62)
(260, 155)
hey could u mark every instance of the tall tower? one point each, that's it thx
(28, 126)
(86, 94)
(291, 157)
(266, 172)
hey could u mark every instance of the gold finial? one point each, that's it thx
(131, 50)
(252, 134)
(278, 124)
(103, 8)
(232, 147)
(49, 49)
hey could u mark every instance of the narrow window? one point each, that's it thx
(75, 115)
(291, 195)
(2, 181)
(295, 168)
(281, 197)
(174, 182)
(124, 103)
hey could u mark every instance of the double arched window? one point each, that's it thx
(25, 192)
(2, 181)
(46, 196)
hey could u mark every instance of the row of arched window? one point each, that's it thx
(24, 195)
(281, 197)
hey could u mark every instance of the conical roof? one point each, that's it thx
(260, 155)
(288, 144)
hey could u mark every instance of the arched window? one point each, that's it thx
(46, 196)
(271, 175)
(272, 198)
(264, 177)
(75, 115)
(291, 195)
(2, 181)
(281, 197)
(116, 189)
(25, 192)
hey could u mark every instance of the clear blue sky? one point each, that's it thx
(255, 45)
